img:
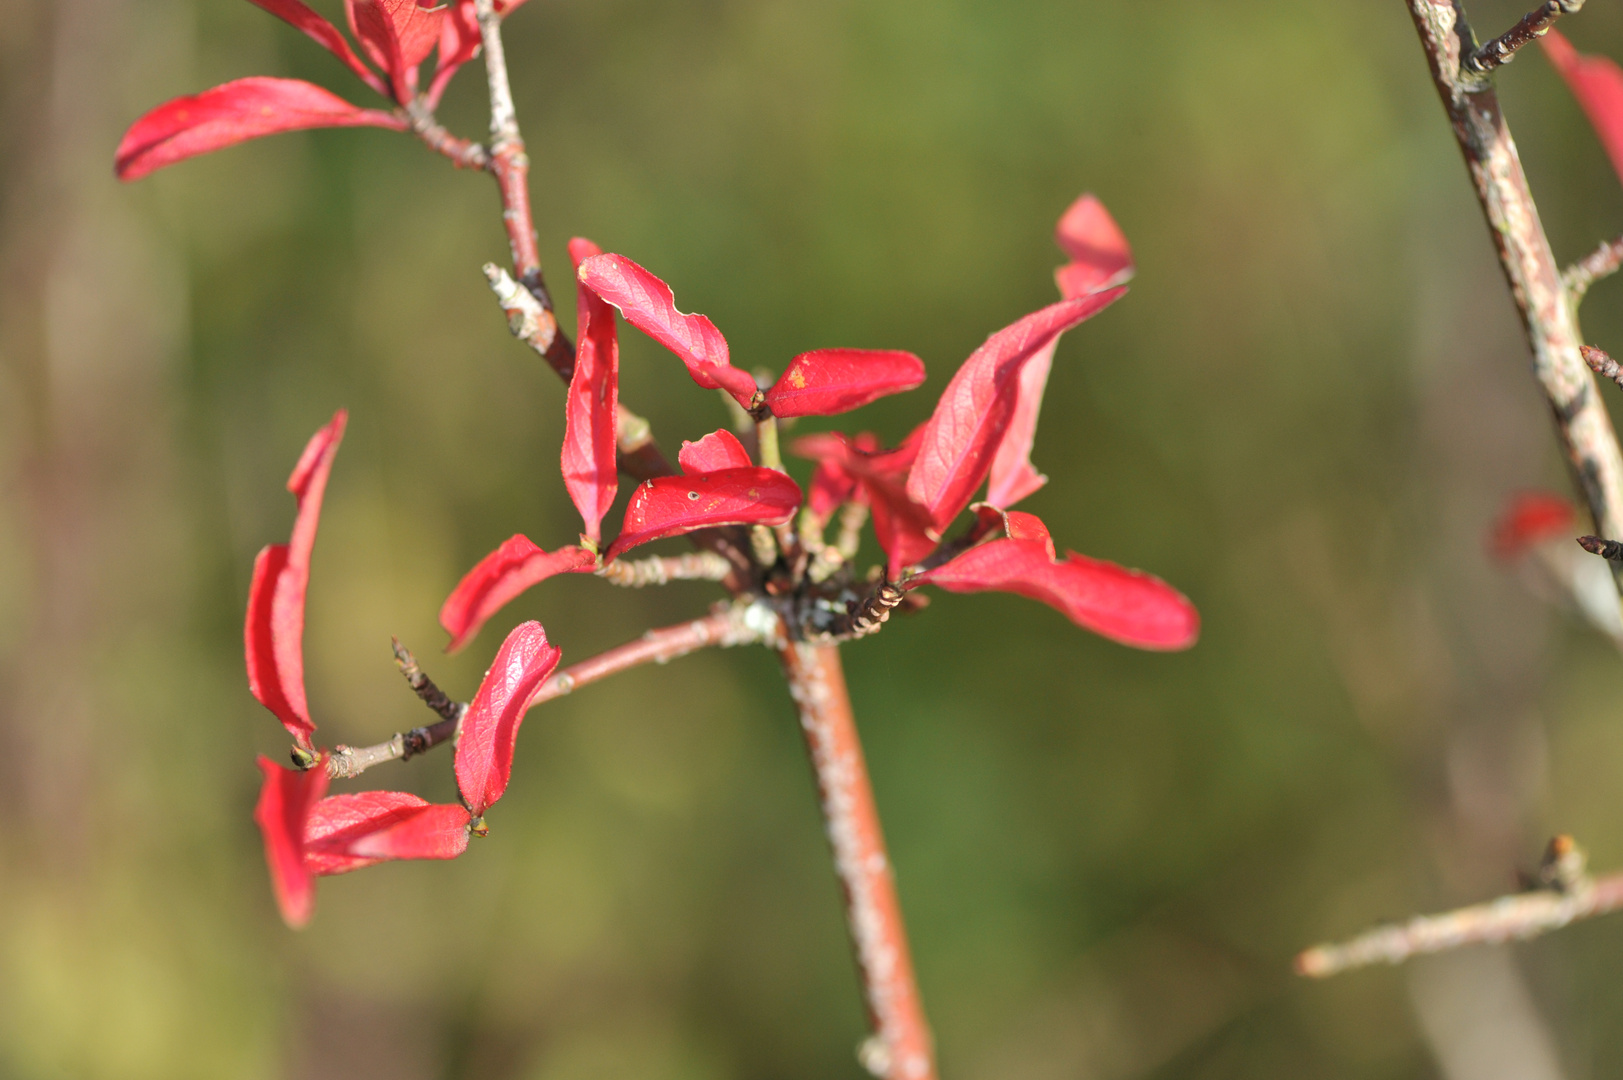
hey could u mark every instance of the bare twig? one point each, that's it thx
(697, 566)
(1601, 364)
(463, 153)
(1602, 262)
(740, 622)
(1561, 893)
(901, 1047)
(865, 616)
(1503, 49)
(1610, 550)
(432, 695)
(1524, 255)
(347, 761)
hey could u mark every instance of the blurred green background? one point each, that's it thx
(1305, 415)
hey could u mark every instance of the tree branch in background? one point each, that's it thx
(1541, 298)
(1602, 262)
(1503, 49)
(636, 574)
(901, 1047)
(1564, 894)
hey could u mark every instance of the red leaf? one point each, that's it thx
(1128, 606)
(589, 467)
(273, 632)
(500, 576)
(1531, 518)
(459, 42)
(647, 303)
(956, 448)
(831, 487)
(1100, 256)
(901, 526)
(717, 450)
(484, 750)
(830, 381)
(347, 832)
(1597, 83)
(324, 34)
(672, 505)
(284, 804)
(1012, 476)
(230, 114)
(398, 35)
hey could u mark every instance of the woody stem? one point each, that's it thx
(901, 1047)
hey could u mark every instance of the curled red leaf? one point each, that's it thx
(273, 633)
(234, 113)
(324, 34)
(647, 303)
(499, 577)
(285, 801)
(956, 447)
(484, 749)
(901, 526)
(1012, 476)
(397, 35)
(1100, 255)
(459, 42)
(1531, 518)
(1127, 606)
(1597, 83)
(830, 381)
(589, 468)
(672, 505)
(348, 832)
(717, 450)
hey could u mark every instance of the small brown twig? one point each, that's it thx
(463, 153)
(1503, 49)
(901, 1047)
(1601, 364)
(639, 573)
(1604, 261)
(432, 695)
(1566, 895)
(347, 761)
(865, 616)
(1610, 550)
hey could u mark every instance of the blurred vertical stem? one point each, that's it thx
(1542, 299)
(901, 1047)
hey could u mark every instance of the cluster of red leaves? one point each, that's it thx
(981, 432)
(396, 35)
(308, 835)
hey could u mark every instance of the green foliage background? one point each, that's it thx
(1305, 415)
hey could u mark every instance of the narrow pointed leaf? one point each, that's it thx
(1128, 606)
(347, 832)
(273, 633)
(589, 468)
(717, 450)
(647, 303)
(484, 750)
(500, 576)
(324, 34)
(955, 450)
(285, 800)
(1532, 518)
(831, 381)
(1100, 255)
(1597, 83)
(672, 505)
(1012, 476)
(234, 113)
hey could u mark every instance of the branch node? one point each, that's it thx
(424, 687)
(1604, 261)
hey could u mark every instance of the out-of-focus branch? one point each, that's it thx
(1568, 895)
(1503, 49)
(740, 622)
(639, 573)
(1536, 285)
(1602, 262)
(901, 1047)
(463, 153)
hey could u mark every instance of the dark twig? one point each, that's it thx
(347, 761)
(1601, 364)
(1610, 550)
(1604, 261)
(1503, 49)
(865, 616)
(432, 695)
(1567, 895)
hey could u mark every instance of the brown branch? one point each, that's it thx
(1610, 550)
(636, 574)
(1563, 893)
(1545, 307)
(347, 761)
(1503, 49)
(1602, 262)
(740, 622)
(1601, 364)
(901, 1047)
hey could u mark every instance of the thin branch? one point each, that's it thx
(1541, 299)
(1564, 894)
(424, 687)
(347, 761)
(740, 622)
(1610, 550)
(527, 320)
(639, 573)
(463, 153)
(1602, 262)
(901, 1047)
(863, 616)
(1503, 49)
(1601, 364)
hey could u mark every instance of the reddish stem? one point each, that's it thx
(903, 1049)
